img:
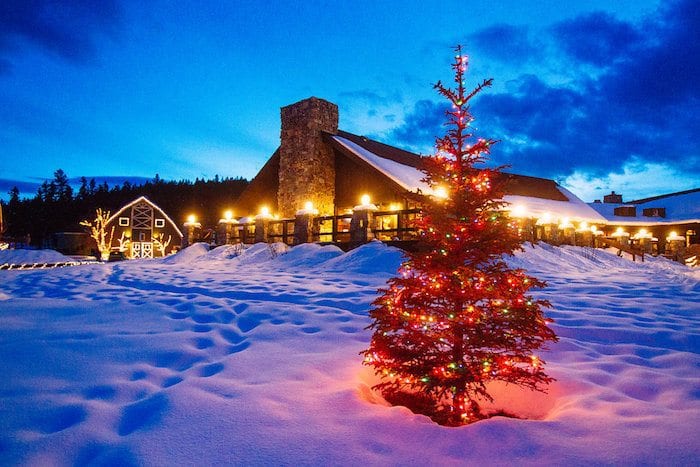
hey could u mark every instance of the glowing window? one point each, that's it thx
(160, 223)
(123, 221)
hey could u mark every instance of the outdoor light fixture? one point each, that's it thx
(364, 200)
(191, 219)
(518, 211)
(265, 211)
(309, 206)
(565, 223)
(546, 218)
(228, 215)
(440, 192)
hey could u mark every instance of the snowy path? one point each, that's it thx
(205, 358)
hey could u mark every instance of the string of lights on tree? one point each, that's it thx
(457, 317)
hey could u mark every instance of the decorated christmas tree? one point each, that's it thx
(458, 317)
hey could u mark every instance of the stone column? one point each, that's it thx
(645, 243)
(676, 246)
(227, 231)
(583, 237)
(193, 231)
(361, 223)
(622, 237)
(548, 232)
(526, 229)
(598, 237)
(304, 224)
(566, 234)
(262, 227)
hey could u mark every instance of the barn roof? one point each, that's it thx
(537, 195)
(145, 200)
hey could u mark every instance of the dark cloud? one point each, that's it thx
(421, 126)
(641, 103)
(68, 29)
(506, 43)
(666, 72)
(597, 38)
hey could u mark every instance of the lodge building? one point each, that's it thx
(317, 162)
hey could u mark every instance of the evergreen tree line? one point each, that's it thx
(57, 207)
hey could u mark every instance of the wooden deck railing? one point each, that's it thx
(630, 249)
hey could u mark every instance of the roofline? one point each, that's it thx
(654, 198)
(143, 198)
(354, 157)
(652, 223)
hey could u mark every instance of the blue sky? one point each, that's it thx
(597, 95)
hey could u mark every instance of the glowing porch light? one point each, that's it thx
(191, 219)
(583, 226)
(308, 206)
(228, 215)
(364, 200)
(545, 218)
(673, 236)
(440, 192)
(518, 211)
(565, 223)
(264, 211)
(620, 233)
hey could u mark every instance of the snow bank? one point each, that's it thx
(371, 258)
(251, 357)
(31, 256)
(187, 255)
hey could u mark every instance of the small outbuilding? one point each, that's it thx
(143, 230)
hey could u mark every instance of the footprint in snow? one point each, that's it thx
(59, 418)
(143, 414)
(171, 381)
(211, 369)
(102, 392)
(202, 343)
(95, 453)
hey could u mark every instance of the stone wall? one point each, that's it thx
(307, 167)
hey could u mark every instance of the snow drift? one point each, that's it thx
(251, 357)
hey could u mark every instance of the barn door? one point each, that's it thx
(135, 250)
(147, 250)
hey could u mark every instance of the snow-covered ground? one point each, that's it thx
(209, 358)
(32, 256)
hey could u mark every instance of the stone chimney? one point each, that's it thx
(307, 164)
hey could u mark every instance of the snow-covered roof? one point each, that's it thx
(680, 207)
(411, 179)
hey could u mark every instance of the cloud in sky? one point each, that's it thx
(68, 29)
(633, 181)
(613, 94)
